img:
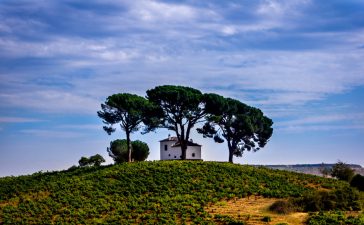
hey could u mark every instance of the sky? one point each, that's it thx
(300, 61)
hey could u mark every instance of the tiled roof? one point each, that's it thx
(190, 143)
(170, 139)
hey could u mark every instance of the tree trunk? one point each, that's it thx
(128, 142)
(184, 149)
(231, 152)
(231, 155)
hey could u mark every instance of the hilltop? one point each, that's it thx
(160, 192)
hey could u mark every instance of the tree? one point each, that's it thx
(177, 108)
(126, 109)
(140, 151)
(83, 161)
(94, 160)
(342, 171)
(118, 151)
(244, 128)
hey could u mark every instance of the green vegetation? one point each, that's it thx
(342, 171)
(334, 218)
(118, 150)
(179, 109)
(124, 109)
(163, 192)
(358, 182)
(244, 128)
(94, 160)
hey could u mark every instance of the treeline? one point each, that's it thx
(179, 109)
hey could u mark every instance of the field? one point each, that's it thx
(161, 192)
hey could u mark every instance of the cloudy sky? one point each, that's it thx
(300, 61)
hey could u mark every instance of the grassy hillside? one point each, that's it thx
(163, 192)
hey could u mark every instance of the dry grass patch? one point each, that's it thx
(253, 209)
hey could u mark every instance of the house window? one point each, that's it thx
(165, 147)
(169, 154)
(193, 154)
(175, 156)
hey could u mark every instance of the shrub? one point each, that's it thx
(282, 207)
(358, 182)
(267, 219)
(341, 199)
(118, 150)
(94, 160)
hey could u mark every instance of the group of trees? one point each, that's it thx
(179, 109)
(94, 160)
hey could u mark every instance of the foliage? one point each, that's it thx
(282, 207)
(342, 171)
(224, 219)
(140, 150)
(266, 219)
(118, 150)
(94, 160)
(344, 198)
(161, 192)
(244, 128)
(334, 218)
(124, 109)
(177, 108)
(358, 182)
(83, 161)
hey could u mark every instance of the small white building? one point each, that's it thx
(170, 149)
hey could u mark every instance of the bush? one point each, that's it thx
(94, 160)
(118, 150)
(358, 182)
(341, 199)
(267, 219)
(282, 207)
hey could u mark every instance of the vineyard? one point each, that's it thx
(163, 192)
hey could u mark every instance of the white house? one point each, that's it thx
(170, 149)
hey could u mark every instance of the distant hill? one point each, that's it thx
(160, 192)
(314, 169)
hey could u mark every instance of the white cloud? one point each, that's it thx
(18, 120)
(153, 11)
(53, 133)
(299, 128)
(52, 101)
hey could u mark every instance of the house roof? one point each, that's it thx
(189, 143)
(169, 139)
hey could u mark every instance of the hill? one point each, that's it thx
(161, 192)
(314, 169)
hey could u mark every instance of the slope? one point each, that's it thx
(160, 192)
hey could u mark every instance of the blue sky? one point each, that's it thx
(300, 61)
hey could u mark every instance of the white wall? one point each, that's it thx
(174, 153)
(171, 152)
(193, 150)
